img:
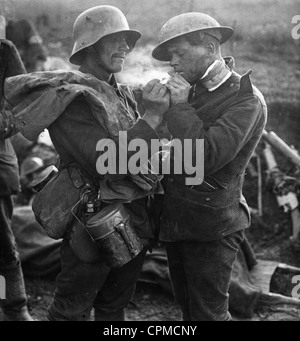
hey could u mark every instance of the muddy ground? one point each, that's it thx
(150, 303)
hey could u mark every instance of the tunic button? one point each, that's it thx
(171, 180)
(231, 85)
(207, 199)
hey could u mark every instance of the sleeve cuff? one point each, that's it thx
(182, 119)
(182, 109)
(143, 131)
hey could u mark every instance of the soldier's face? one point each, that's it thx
(112, 51)
(191, 61)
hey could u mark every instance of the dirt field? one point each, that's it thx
(152, 303)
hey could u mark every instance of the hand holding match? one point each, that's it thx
(156, 97)
(179, 88)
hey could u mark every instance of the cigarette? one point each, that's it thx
(165, 80)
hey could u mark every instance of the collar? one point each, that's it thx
(216, 74)
(112, 81)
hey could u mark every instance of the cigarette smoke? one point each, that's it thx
(140, 67)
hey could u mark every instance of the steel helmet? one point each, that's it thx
(96, 23)
(188, 23)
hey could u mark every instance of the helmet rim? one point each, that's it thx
(96, 23)
(76, 58)
(184, 24)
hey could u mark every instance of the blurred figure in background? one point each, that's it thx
(35, 57)
(28, 42)
(15, 305)
(33, 50)
(23, 34)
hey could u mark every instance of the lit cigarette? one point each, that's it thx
(165, 80)
(171, 74)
